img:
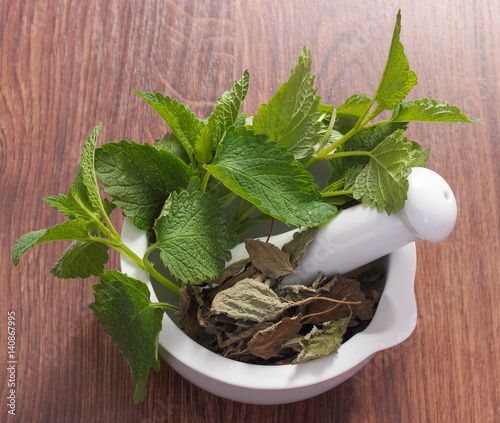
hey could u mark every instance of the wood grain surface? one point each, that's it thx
(67, 65)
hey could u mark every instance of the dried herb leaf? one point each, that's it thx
(267, 343)
(189, 303)
(296, 293)
(230, 280)
(296, 248)
(319, 281)
(251, 323)
(235, 268)
(249, 300)
(268, 258)
(322, 342)
(236, 342)
(339, 288)
(350, 289)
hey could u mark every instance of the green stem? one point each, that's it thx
(250, 222)
(204, 182)
(241, 215)
(105, 230)
(109, 232)
(165, 305)
(116, 235)
(157, 275)
(313, 159)
(380, 122)
(337, 193)
(379, 109)
(355, 129)
(122, 249)
(328, 131)
(335, 186)
(347, 153)
(364, 118)
(239, 210)
(190, 156)
(142, 263)
(246, 213)
(322, 153)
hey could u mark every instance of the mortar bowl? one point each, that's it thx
(394, 321)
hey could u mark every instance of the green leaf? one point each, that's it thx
(122, 305)
(426, 110)
(224, 116)
(351, 175)
(220, 192)
(67, 205)
(69, 230)
(85, 209)
(204, 145)
(140, 178)
(364, 140)
(83, 200)
(383, 182)
(325, 108)
(397, 79)
(171, 144)
(178, 116)
(74, 205)
(291, 116)
(241, 120)
(350, 111)
(88, 177)
(340, 190)
(354, 106)
(194, 237)
(322, 342)
(267, 176)
(82, 259)
(419, 156)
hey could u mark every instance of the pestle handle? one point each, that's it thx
(360, 235)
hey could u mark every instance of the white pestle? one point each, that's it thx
(359, 235)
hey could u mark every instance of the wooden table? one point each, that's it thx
(67, 65)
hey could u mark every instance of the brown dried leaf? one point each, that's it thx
(296, 248)
(370, 275)
(294, 343)
(296, 293)
(339, 288)
(235, 268)
(319, 281)
(242, 337)
(189, 304)
(248, 271)
(268, 343)
(373, 295)
(268, 258)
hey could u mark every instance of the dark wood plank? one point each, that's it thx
(67, 65)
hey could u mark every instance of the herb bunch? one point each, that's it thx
(178, 189)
